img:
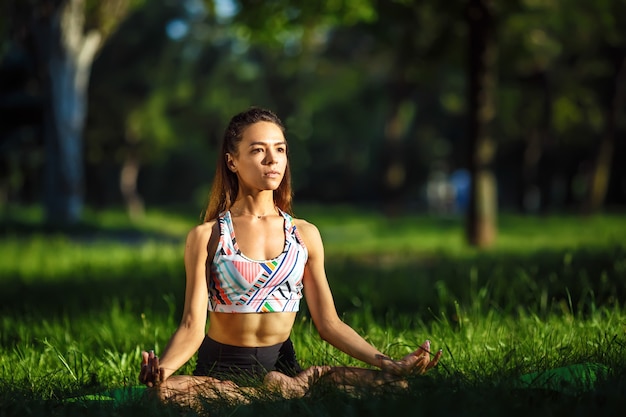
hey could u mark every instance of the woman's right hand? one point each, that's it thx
(151, 373)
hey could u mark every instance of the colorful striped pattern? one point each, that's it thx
(241, 285)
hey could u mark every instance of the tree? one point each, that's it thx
(481, 214)
(397, 50)
(561, 98)
(133, 95)
(64, 36)
(611, 41)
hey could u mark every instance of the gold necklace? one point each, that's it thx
(258, 216)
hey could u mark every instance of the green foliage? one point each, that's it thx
(334, 71)
(105, 16)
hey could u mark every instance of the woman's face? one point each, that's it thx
(261, 157)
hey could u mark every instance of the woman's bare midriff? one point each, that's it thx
(250, 329)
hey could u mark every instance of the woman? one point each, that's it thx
(249, 262)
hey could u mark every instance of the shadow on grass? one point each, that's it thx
(574, 281)
(137, 285)
(84, 232)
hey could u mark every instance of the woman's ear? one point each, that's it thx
(230, 162)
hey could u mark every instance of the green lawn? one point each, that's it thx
(76, 309)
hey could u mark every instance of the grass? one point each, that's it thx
(77, 307)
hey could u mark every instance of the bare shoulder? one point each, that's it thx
(305, 227)
(309, 232)
(201, 234)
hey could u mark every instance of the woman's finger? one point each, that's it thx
(143, 373)
(435, 359)
(421, 352)
(157, 370)
(420, 366)
(151, 368)
(425, 348)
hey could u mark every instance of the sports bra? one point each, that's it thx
(238, 284)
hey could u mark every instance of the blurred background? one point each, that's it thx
(461, 108)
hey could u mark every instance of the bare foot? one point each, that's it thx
(187, 390)
(354, 380)
(297, 386)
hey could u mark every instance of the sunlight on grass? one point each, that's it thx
(43, 258)
(78, 306)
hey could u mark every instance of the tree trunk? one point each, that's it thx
(600, 176)
(393, 156)
(481, 215)
(129, 175)
(538, 163)
(66, 53)
(399, 119)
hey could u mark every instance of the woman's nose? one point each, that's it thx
(270, 157)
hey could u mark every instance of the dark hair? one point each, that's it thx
(225, 184)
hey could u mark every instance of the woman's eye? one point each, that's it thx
(282, 150)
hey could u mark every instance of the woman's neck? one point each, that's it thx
(256, 207)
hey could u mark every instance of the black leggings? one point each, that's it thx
(245, 364)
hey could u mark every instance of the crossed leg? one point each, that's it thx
(192, 390)
(187, 390)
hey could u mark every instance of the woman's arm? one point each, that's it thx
(332, 329)
(322, 305)
(189, 335)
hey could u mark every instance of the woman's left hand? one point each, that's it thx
(415, 363)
